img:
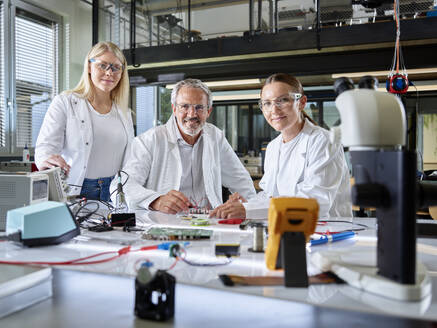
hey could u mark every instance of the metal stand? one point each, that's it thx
(293, 259)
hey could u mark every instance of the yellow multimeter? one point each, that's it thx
(289, 214)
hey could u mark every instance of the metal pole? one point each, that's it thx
(318, 25)
(271, 16)
(276, 16)
(158, 30)
(251, 17)
(189, 21)
(133, 30)
(260, 16)
(95, 21)
(132, 23)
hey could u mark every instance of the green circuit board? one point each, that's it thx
(176, 234)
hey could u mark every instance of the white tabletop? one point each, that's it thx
(251, 264)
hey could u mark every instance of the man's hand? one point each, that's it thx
(230, 209)
(55, 161)
(171, 203)
(236, 197)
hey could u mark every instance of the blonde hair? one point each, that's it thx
(293, 83)
(85, 87)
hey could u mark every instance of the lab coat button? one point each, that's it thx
(83, 121)
(86, 143)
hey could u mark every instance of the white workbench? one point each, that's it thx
(341, 297)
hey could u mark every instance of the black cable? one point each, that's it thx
(84, 218)
(15, 236)
(108, 205)
(363, 226)
(123, 183)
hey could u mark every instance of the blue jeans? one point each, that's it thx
(96, 189)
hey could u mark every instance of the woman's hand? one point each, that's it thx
(55, 161)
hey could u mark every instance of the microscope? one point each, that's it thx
(374, 128)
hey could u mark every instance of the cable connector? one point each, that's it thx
(166, 246)
(15, 236)
(174, 250)
(124, 250)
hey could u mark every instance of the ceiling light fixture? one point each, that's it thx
(240, 96)
(214, 84)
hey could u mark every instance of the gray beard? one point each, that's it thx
(191, 132)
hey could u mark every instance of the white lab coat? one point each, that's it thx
(317, 170)
(155, 166)
(67, 131)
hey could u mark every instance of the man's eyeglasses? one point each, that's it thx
(280, 102)
(103, 66)
(197, 107)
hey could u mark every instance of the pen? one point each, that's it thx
(331, 238)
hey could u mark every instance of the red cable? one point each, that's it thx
(395, 8)
(79, 261)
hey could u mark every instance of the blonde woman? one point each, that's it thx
(87, 130)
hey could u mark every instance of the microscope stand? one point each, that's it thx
(358, 269)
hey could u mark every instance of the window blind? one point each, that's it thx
(36, 66)
(145, 108)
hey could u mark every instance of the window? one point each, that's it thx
(3, 104)
(30, 37)
(244, 126)
(145, 104)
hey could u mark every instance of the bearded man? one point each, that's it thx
(185, 162)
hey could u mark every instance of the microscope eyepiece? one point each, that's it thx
(343, 84)
(368, 82)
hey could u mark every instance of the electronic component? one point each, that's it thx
(291, 223)
(199, 222)
(19, 190)
(374, 128)
(58, 186)
(40, 224)
(185, 217)
(198, 210)
(289, 214)
(176, 234)
(120, 199)
(227, 250)
(122, 219)
(188, 217)
(154, 296)
(258, 238)
(17, 166)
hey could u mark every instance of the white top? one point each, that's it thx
(284, 164)
(192, 184)
(67, 131)
(308, 166)
(110, 140)
(155, 166)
